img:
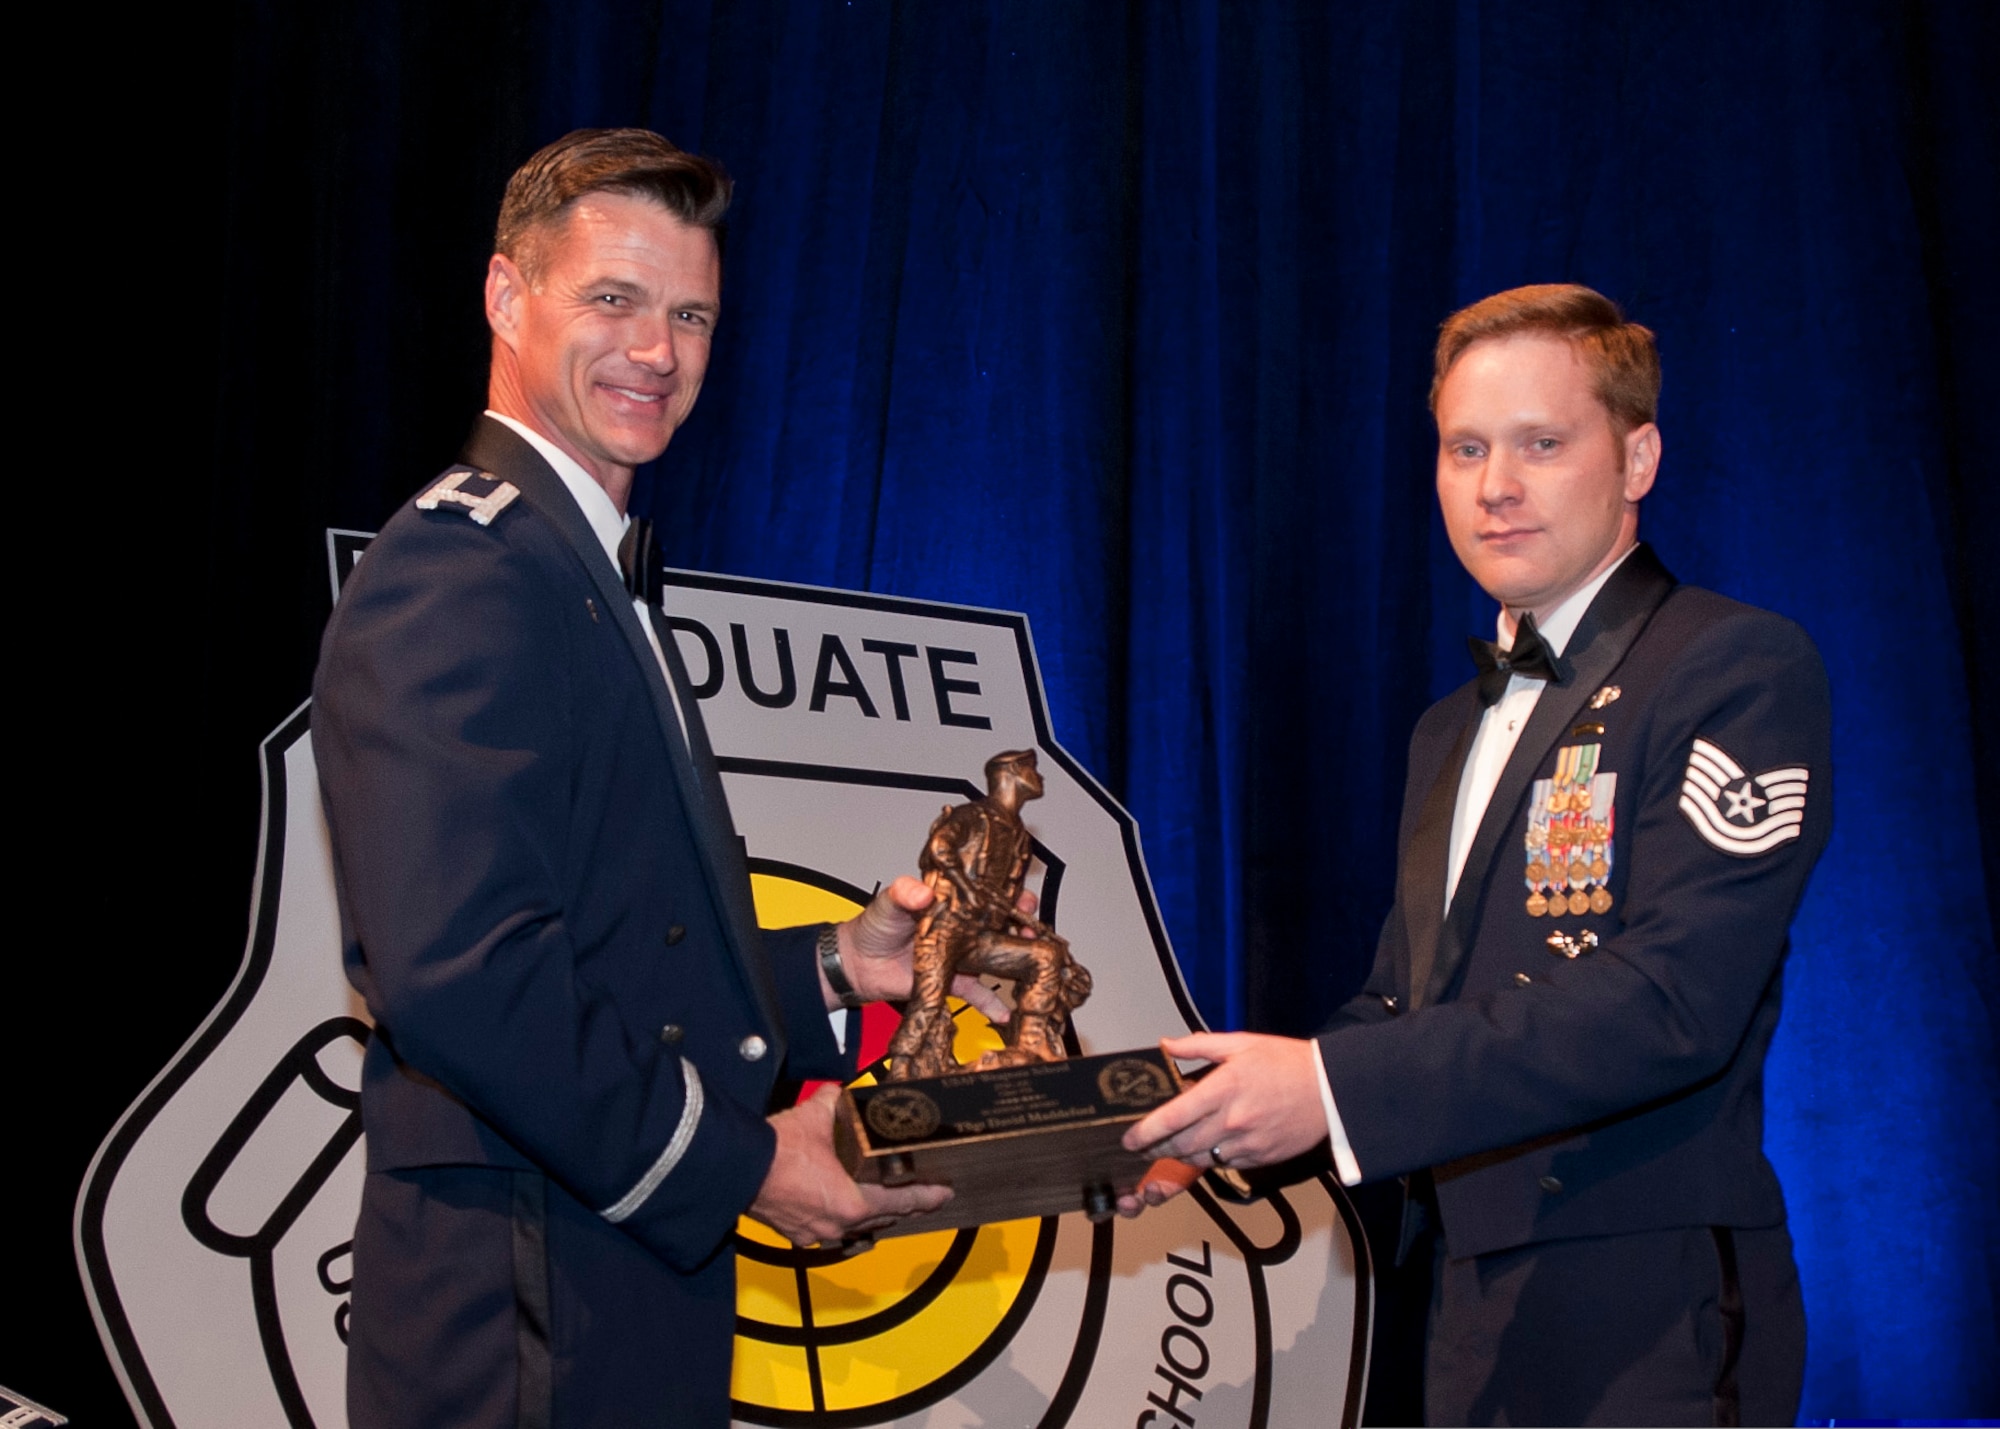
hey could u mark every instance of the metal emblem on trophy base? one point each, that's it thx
(1023, 1131)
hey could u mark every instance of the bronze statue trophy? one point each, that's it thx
(1025, 1130)
(974, 861)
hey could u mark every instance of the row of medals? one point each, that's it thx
(1567, 843)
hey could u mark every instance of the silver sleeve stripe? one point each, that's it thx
(1732, 839)
(1703, 781)
(670, 1158)
(1708, 769)
(1710, 772)
(1726, 767)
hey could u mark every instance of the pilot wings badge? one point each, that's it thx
(1740, 813)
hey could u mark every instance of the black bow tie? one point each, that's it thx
(639, 561)
(1531, 658)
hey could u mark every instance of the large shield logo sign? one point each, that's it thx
(213, 1227)
(214, 1223)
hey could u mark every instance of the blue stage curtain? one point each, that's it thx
(1120, 314)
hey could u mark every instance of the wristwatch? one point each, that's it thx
(836, 971)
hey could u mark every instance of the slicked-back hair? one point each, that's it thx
(637, 162)
(1624, 364)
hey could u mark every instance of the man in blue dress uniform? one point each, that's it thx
(578, 1024)
(1605, 836)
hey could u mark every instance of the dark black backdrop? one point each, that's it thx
(1152, 285)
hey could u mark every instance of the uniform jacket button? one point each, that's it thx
(672, 1033)
(1523, 979)
(675, 932)
(753, 1048)
(1549, 1184)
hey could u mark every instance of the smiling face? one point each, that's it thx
(1540, 491)
(603, 352)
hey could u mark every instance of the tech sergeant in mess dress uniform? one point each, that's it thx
(1604, 840)
(578, 1024)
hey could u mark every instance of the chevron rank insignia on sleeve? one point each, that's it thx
(479, 494)
(1742, 814)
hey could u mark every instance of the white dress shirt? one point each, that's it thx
(1492, 746)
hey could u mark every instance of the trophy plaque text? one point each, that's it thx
(1033, 1140)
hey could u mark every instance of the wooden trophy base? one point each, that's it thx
(1014, 1142)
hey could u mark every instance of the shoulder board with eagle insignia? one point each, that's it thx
(479, 494)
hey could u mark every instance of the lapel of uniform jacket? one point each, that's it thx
(495, 448)
(1602, 637)
(1421, 875)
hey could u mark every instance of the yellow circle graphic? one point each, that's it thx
(829, 1340)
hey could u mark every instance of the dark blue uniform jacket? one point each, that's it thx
(555, 940)
(1621, 1090)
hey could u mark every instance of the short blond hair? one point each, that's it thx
(1623, 362)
